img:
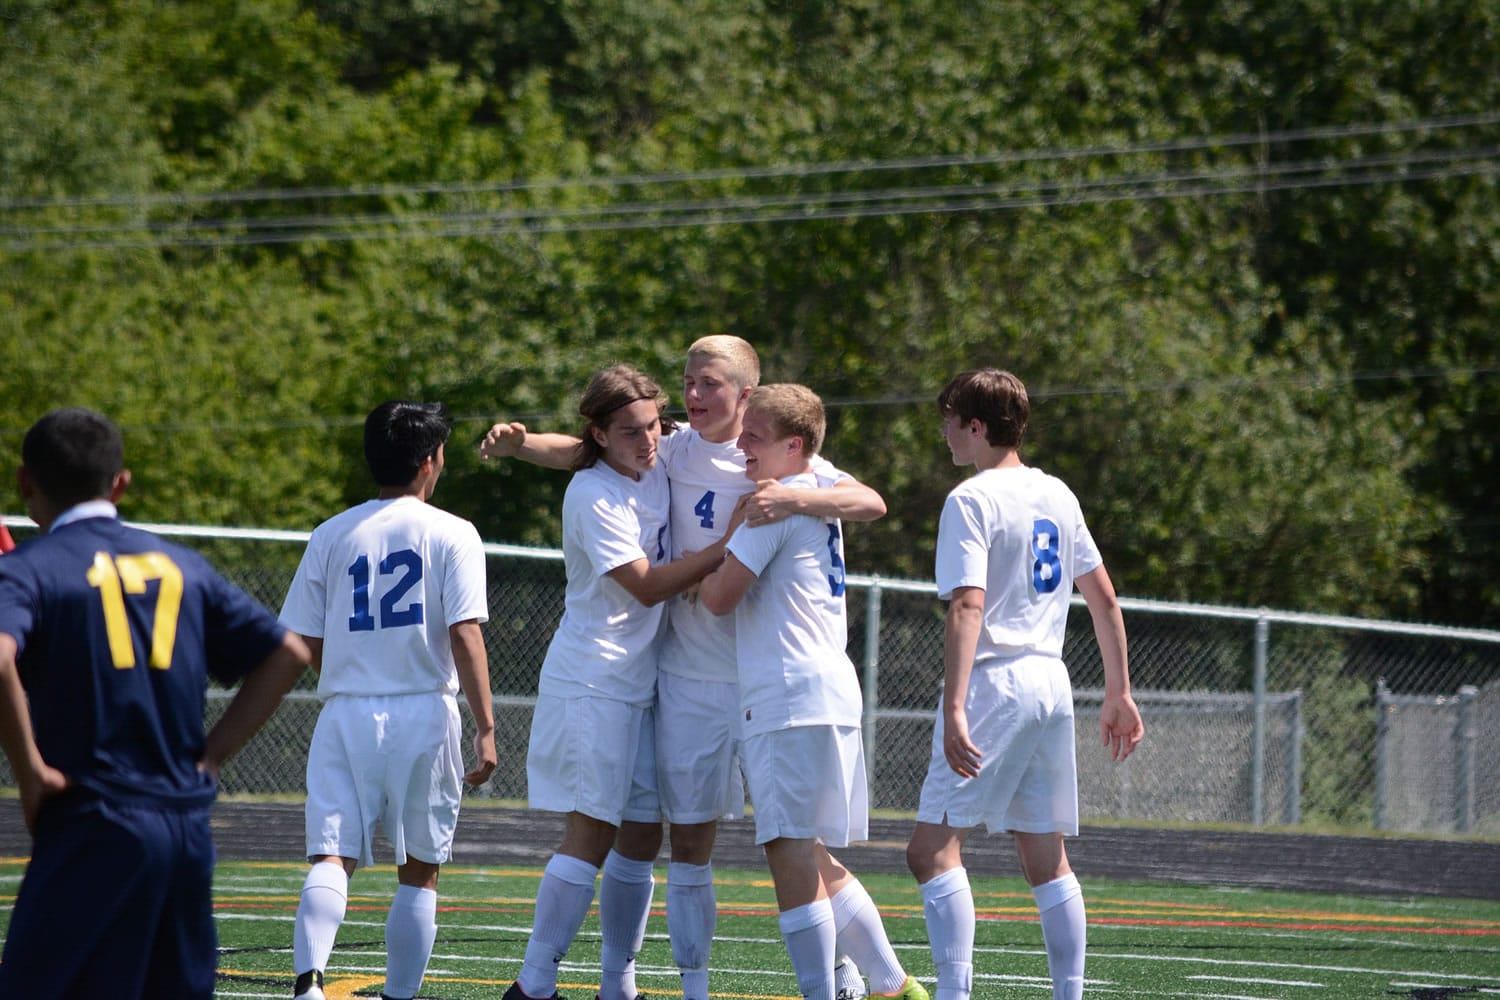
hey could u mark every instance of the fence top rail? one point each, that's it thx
(879, 583)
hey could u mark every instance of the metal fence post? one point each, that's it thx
(872, 675)
(1382, 752)
(1294, 779)
(1258, 729)
(1464, 737)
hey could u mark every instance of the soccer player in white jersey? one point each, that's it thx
(1012, 544)
(799, 694)
(697, 718)
(390, 596)
(592, 753)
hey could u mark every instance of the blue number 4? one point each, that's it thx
(409, 565)
(704, 508)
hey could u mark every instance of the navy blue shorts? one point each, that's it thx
(116, 902)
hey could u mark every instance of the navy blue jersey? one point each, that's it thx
(118, 632)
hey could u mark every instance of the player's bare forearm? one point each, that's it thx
(512, 440)
(1120, 724)
(257, 698)
(847, 500)
(960, 641)
(721, 591)
(35, 778)
(473, 667)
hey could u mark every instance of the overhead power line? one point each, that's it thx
(1176, 145)
(761, 209)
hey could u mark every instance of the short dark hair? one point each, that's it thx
(73, 455)
(994, 397)
(400, 436)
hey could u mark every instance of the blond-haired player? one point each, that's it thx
(799, 703)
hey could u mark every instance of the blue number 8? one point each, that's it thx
(1046, 570)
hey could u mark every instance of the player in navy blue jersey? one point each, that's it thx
(111, 633)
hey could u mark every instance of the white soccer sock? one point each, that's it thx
(809, 935)
(562, 901)
(692, 918)
(861, 935)
(846, 978)
(1065, 932)
(410, 930)
(948, 904)
(624, 906)
(325, 896)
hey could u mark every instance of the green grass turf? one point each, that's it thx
(1145, 940)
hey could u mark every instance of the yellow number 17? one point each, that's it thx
(128, 574)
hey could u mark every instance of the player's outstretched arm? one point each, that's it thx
(847, 500)
(1120, 723)
(35, 778)
(512, 440)
(258, 696)
(473, 665)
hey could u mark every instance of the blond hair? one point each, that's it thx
(794, 411)
(736, 353)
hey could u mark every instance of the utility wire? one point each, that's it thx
(1178, 145)
(779, 211)
(312, 224)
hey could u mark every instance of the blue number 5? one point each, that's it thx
(836, 578)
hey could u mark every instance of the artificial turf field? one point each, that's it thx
(1145, 940)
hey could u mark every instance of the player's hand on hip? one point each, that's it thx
(37, 788)
(1120, 725)
(503, 441)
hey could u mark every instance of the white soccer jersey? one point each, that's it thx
(380, 583)
(791, 625)
(707, 480)
(605, 645)
(1018, 533)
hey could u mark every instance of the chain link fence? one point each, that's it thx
(1253, 717)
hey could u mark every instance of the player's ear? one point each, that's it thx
(119, 485)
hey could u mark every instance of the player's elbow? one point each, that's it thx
(715, 601)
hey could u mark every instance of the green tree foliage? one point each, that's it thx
(1269, 374)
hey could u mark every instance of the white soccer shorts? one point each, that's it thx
(391, 759)
(1020, 715)
(698, 749)
(809, 782)
(594, 756)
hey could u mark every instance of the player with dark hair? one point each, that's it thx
(111, 633)
(1012, 543)
(390, 596)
